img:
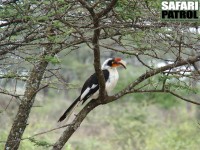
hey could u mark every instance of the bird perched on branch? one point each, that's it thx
(90, 88)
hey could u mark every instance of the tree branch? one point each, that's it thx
(105, 11)
(182, 98)
(151, 73)
(86, 5)
(165, 91)
(74, 125)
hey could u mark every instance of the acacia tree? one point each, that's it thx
(34, 33)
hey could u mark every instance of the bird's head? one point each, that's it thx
(113, 63)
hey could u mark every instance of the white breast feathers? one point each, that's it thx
(112, 80)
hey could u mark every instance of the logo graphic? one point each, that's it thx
(180, 10)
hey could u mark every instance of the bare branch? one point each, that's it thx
(107, 9)
(86, 5)
(40, 133)
(182, 98)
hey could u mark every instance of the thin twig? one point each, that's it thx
(40, 133)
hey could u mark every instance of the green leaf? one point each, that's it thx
(40, 143)
(53, 60)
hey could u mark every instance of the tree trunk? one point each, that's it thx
(20, 122)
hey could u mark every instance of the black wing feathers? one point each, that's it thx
(92, 80)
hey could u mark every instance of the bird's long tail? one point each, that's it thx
(70, 109)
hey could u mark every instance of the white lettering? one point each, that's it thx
(196, 6)
(172, 6)
(183, 6)
(164, 5)
(180, 5)
(190, 5)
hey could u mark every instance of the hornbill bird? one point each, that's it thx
(90, 88)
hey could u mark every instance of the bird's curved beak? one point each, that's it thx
(118, 62)
(122, 63)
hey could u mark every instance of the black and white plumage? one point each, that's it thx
(90, 88)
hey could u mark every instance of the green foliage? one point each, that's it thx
(31, 58)
(40, 143)
(132, 10)
(54, 60)
(10, 74)
(182, 86)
